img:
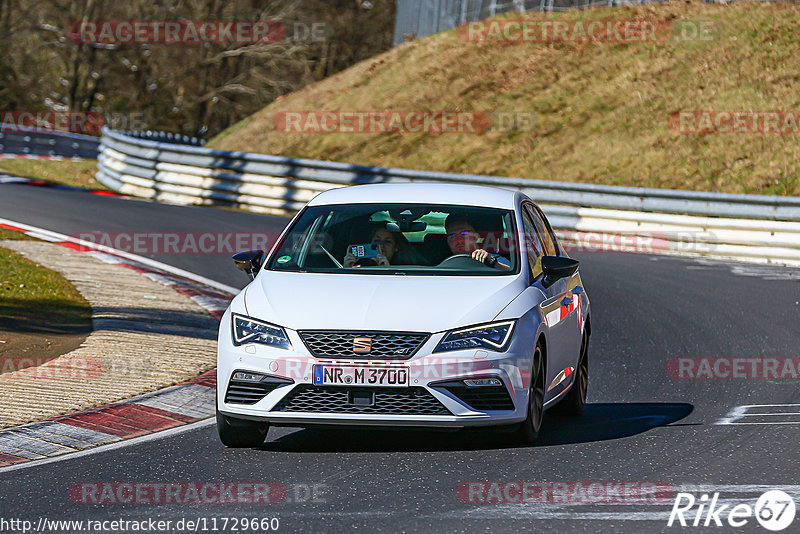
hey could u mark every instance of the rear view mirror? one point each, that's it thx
(406, 223)
(557, 267)
(416, 226)
(248, 261)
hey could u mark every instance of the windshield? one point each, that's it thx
(419, 239)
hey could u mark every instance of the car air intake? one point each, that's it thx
(479, 398)
(250, 391)
(337, 399)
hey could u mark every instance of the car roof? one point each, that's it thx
(426, 193)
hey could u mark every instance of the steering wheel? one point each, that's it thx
(460, 260)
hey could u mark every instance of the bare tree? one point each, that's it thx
(196, 89)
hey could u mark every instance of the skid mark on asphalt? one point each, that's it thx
(764, 272)
(762, 414)
(753, 270)
(617, 510)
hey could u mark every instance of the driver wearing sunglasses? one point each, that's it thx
(463, 239)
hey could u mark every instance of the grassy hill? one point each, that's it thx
(601, 108)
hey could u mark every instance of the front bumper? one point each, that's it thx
(426, 372)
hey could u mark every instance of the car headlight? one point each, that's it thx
(494, 336)
(249, 330)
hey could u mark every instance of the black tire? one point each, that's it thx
(575, 401)
(239, 433)
(528, 430)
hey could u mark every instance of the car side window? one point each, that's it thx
(543, 230)
(533, 246)
(552, 235)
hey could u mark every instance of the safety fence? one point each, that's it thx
(49, 143)
(418, 18)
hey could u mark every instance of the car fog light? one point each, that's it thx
(483, 382)
(252, 377)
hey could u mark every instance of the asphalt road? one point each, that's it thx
(642, 425)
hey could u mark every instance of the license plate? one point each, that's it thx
(342, 375)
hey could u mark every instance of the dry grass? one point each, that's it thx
(14, 235)
(32, 293)
(601, 108)
(65, 172)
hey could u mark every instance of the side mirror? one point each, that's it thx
(248, 261)
(557, 267)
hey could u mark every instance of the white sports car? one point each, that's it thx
(411, 305)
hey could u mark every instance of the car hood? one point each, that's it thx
(378, 302)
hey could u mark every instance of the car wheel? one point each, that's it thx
(528, 430)
(240, 433)
(575, 401)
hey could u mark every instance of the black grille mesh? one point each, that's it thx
(335, 399)
(384, 345)
(483, 398)
(247, 391)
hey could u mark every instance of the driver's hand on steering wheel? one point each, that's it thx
(481, 255)
(492, 260)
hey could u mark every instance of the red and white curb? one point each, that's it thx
(153, 412)
(139, 263)
(11, 179)
(40, 157)
(213, 302)
(6, 178)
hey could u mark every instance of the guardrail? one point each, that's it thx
(166, 137)
(30, 142)
(752, 227)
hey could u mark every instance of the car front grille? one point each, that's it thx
(382, 345)
(336, 399)
(482, 398)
